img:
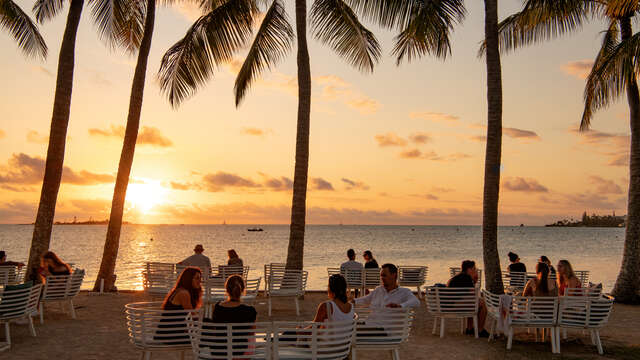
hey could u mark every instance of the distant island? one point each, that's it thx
(593, 221)
(88, 222)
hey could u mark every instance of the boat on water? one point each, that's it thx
(255, 229)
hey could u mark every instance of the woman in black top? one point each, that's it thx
(370, 262)
(185, 295)
(516, 265)
(51, 264)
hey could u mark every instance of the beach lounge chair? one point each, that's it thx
(158, 278)
(452, 303)
(353, 277)
(287, 283)
(309, 340)
(588, 313)
(212, 293)
(152, 329)
(230, 341)
(412, 276)
(382, 329)
(18, 302)
(61, 288)
(11, 274)
(536, 312)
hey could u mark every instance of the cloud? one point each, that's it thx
(579, 69)
(432, 155)
(37, 138)
(336, 88)
(175, 185)
(390, 139)
(321, 184)
(411, 154)
(23, 169)
(604, 186)
(614, 146)
(596, 202)
(434, 116)
(221, 180)
(442, 189)
(420, 138)
(524, 185)
(148, 135)
(478, 138)
(252, 131)
(354, 184)
(426, 196)
(520, 134)
(41, 69)
(279, 184)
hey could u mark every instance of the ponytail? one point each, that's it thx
(338, 286)
(234, 287)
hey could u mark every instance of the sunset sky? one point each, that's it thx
(404, 145)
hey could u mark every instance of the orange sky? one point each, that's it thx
(403, 145)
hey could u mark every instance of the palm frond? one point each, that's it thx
(210, 41)
(334, 23)
(428, 31)
(542, 20)
(47, 9)
(130, 29)
(273, 41)
(387, 13)
(111, 16)
(23, 30)
(621, 8)
(613, 68)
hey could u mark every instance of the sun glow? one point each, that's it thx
(143, 197)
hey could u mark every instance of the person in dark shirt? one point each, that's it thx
(370, 262)
(516, 265)
(4, 262)
(544, 259)
(467, 278)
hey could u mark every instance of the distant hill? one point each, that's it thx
(593, 221)
(88, 222)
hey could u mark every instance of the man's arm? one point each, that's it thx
(410, 300)
(364, 300)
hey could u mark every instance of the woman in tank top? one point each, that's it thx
(338, 307)
(185, 295)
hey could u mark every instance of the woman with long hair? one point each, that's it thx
(566, 277)
(338, 307)
(51, 264)
(541, 285)
(187, 292)
(234, 259)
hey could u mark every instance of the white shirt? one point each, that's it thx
(198, 260)
(380, 297)
(351, 265)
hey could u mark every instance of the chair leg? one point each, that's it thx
(354, 355)
(475, 325)
(396, 354)
(181, 355)
(41, 313)
(297, 307)
(510, 339)
(32, 328)
(593, 337)
(492, 329)
(8, 333)
(557, 339)
(147, 355)
(463, 325)
(142, 355)
(73, 311)
(564, 334)
(441, 328)
(553, 341)
(598, 342)
(435, 325)
(269, 301)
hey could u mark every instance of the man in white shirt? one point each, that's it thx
(352, 264)
(197, 259)
(389, 294)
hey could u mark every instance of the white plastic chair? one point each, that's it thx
(313, 340)
(370, 279)
(453, 271)
(382, 329)
(492, 301)
(11, 274)
(585, 313)
(267, 273)
(158, 278)
(583, 276)
(224, 271)
(152, 329)
(212, 293)
(287, 283)
(536, 312)
(230, 341)
(515, 280)
(353, 277)
(15, 305)
(413, 276)
(61, 288)
(452, 303)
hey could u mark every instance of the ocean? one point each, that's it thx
(598, 250)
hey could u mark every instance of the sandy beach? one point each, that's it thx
(100, 333)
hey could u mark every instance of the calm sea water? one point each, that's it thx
(439, 247)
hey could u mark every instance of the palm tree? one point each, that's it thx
(23, 30)
(107, 16)
(188, 64)
(130, 39)
(613, 73)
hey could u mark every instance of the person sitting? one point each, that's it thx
(389, 294)
(541, 285)
(234, 259)
(370, 262)
(544, 259)
(198, 259)
(351, 264)
(516, 265)
(52, 265)
(185, 295)
(467, 278)
(337, 308)
(566, 278)
(4, 262)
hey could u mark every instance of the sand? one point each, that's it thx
(99, 332)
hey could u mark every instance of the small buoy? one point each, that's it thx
(151, 239)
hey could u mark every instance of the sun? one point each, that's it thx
(143, 197)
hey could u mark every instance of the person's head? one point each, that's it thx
(351, 254)
(389, 275)
(234, 287)
(191, 280)
(199, 249)
(544, 259)
(232, 254)
(468, 267)
(565, 270)
(367, 255)
(513, 257)
(542, 273)
(337, 288)
(3, 256)
(50, 259)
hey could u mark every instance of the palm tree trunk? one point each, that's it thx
(110, 253)
(493, 274)
(627, 285)
(57, 139)
(295, 251)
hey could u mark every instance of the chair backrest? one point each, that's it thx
(287, 282)
(62, 287)
(453, 271)
(252, 287)
(585, 291)
(383, 325)
(325, 340)
(584, 312)
(515, 279)
(230, 341)
(225, 271)
(353, 276)
(267, 272)
(412, 275)
(583, 276)
(370, 278)
(11, 274)
(150, 326)
(19, 302)
(206, 271)
(534, 310)
(453, 301)
(158, 278)
(492, 301)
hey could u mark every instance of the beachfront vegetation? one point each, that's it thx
(23, 29)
